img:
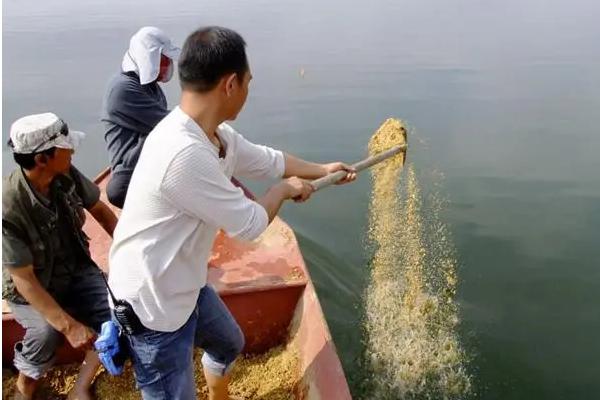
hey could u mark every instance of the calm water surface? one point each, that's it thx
(503, 97)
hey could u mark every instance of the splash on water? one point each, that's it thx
(411, 318)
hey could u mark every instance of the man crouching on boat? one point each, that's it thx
(179, 197)
(50, 282)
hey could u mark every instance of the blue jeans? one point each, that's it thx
(162, 361)
(86, 301)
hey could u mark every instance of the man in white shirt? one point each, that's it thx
(180, 195)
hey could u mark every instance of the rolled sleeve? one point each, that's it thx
(195, 184)
(257, 161)
(256, 223)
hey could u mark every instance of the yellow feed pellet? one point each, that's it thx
(273, 375)
(412, 347)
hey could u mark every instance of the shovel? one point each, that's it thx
(361, 165)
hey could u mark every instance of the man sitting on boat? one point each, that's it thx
(179, 197)
(51, 284)
(134, 103)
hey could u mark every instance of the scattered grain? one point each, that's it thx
(411, 317)
(273, 376)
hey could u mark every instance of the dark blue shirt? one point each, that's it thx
(129, 112)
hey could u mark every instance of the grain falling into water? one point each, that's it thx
(411, 317)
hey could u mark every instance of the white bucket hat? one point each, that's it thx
(39, 132)
(143, 56)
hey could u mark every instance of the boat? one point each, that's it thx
(267, 287)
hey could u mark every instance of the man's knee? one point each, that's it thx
(218, 358)
(116, 190)
(35, 354)
(40, 337)
(115, 195)
(238, 341)
(40, 343)
(231, 344)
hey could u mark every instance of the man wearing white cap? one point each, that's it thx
(51, 284)
(134, 103)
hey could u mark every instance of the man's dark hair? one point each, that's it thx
(208, 54)
(27, 161)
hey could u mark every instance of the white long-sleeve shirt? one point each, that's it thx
(180, 195)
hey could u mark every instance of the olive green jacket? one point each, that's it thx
(32, 226)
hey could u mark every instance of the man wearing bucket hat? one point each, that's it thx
(134, 103)
(51, 284)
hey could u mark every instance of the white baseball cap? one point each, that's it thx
(39, 132)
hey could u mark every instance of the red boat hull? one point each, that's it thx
(268, 289)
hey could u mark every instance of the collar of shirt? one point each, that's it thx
(193, 127)
(40, 204)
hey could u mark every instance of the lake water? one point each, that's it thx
(503, 98)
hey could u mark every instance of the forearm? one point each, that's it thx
(295, 166)
(272, 200)
(30, 288)
(105, 217)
